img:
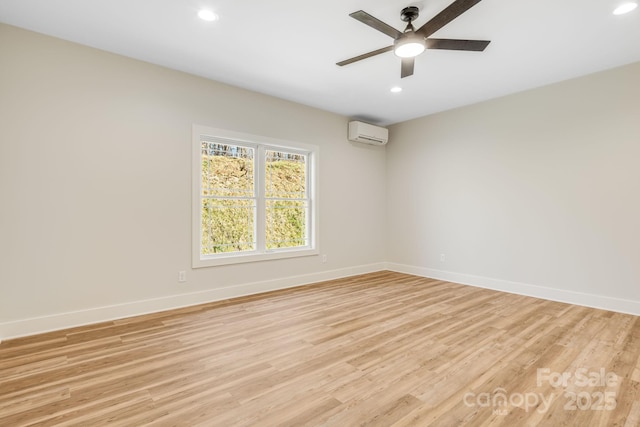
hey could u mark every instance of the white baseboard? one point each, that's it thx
(37, 325)
(560, 295)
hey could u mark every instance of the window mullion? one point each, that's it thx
(261, 215)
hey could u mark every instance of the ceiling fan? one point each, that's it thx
(411, 42)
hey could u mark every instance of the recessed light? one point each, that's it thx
(625, 8)
(207, 15)
(396, 89)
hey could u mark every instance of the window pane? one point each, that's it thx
(286, 223)
(227, 226)
(227, 170)
(285, 175)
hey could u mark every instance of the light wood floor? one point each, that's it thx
(378, 349)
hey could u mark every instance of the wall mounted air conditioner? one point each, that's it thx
(369, 134)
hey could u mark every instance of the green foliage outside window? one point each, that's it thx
(286, 213)
(229, 207)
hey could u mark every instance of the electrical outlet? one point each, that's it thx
(443, 258)
(182, 276)
(324, 258)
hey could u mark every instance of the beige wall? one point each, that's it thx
(95, 172)
(535, 193)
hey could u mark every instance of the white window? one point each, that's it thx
(254, 198)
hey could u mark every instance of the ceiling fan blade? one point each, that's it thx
(365, 56)
(407, 67)
(454, 44)
(376, 24)
(450, 13)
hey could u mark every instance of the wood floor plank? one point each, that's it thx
(385, 349)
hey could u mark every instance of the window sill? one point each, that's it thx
(213, 261)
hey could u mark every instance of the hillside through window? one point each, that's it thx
(228, 198)
(287, 200)
(255, 199)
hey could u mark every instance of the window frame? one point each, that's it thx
(260, 144)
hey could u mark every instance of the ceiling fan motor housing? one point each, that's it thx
(409, 13)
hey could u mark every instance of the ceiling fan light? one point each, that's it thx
(409, 47)
(207, 15)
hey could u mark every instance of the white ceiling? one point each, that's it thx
(289, 48)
